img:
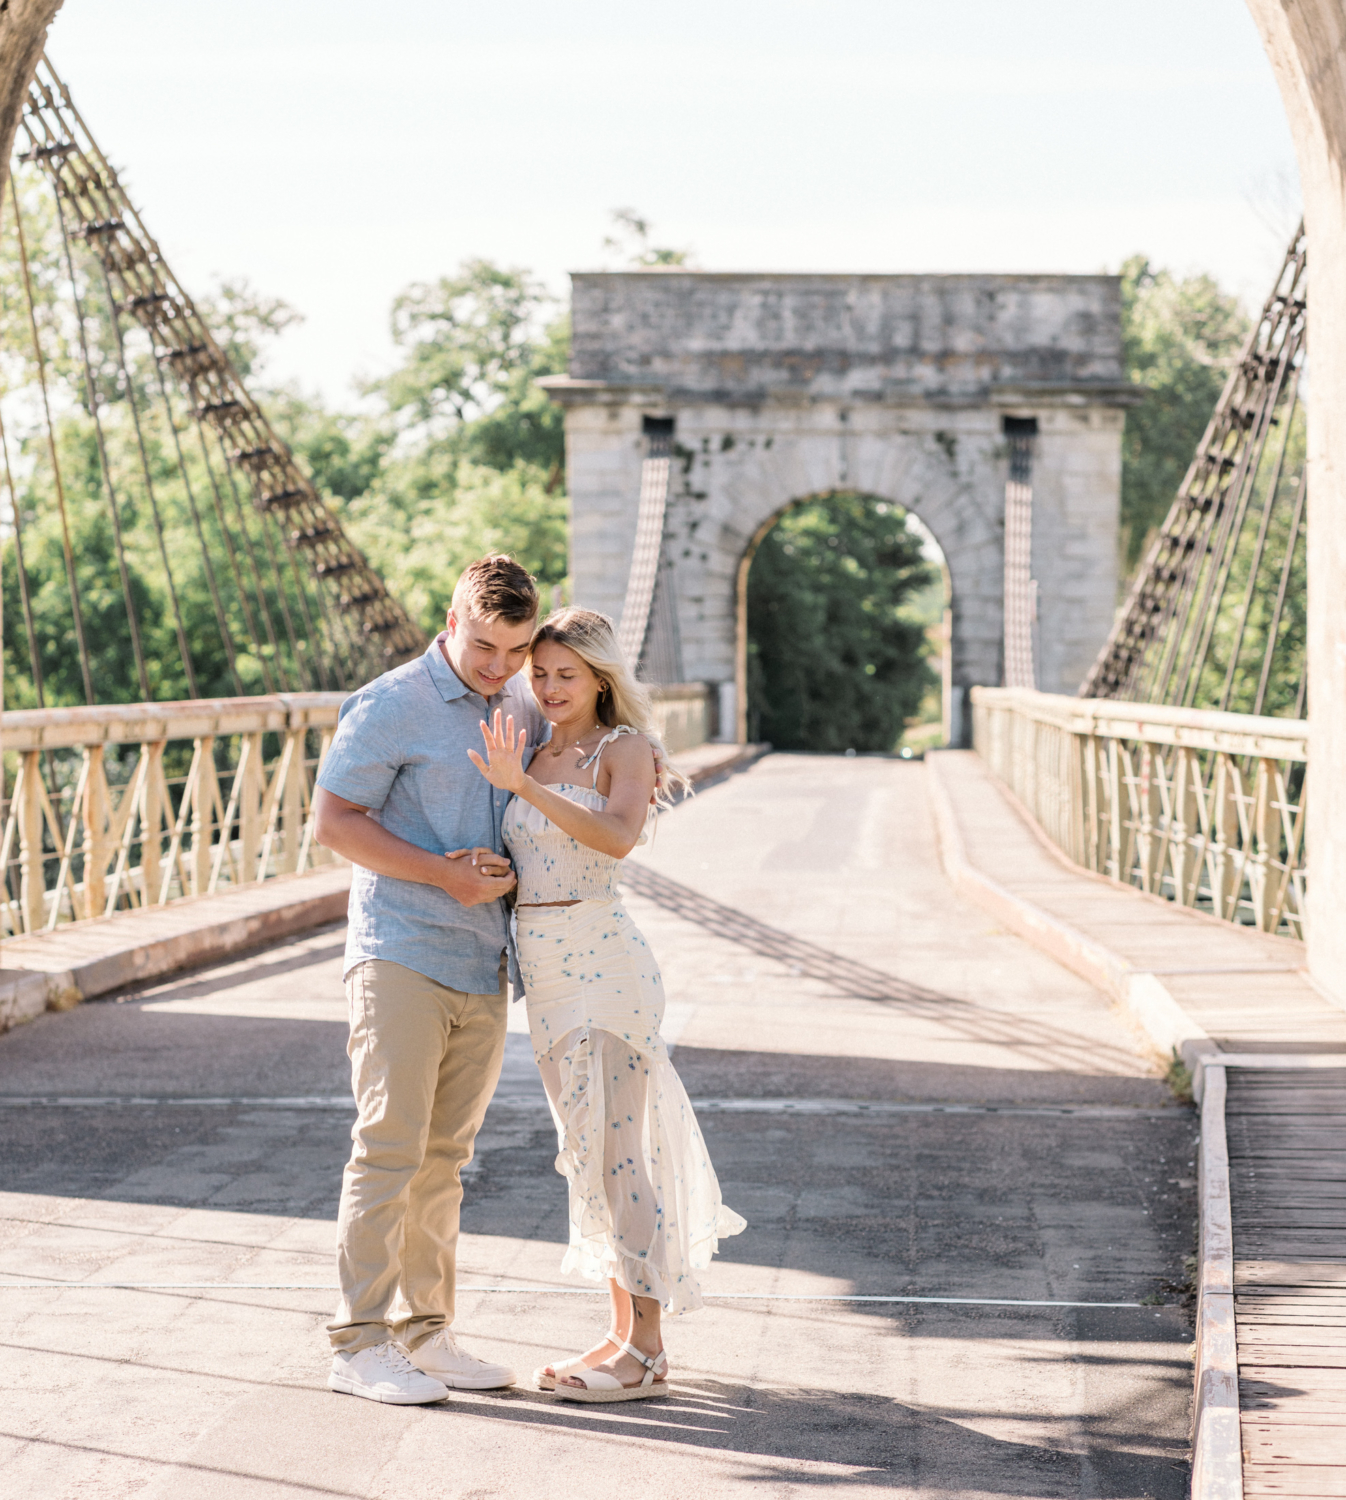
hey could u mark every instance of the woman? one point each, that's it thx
(645, 1209)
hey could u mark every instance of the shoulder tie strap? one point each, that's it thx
(602, 745)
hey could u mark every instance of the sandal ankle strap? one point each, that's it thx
(651, 1365)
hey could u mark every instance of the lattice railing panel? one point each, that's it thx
(1201, 807)
(155, 801)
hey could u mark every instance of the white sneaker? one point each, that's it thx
(445, 1358)
(384, 1373)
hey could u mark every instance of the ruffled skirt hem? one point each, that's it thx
(645, 1205)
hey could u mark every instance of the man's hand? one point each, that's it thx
(486, 877)
(346, 828)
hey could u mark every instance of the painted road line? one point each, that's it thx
(549, 1291)
(850, 1107)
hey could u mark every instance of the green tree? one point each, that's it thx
(836, 660)
(457, 452)
(245, 322)
(467, 454)
(1179, 337)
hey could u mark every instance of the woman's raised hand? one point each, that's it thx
(503, 766)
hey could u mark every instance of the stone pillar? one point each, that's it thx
(1306, 42)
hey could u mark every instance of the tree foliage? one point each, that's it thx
(835, 659)
(244, 322)
(631, 239)
(1179, 337)
(464, 452)
(458, 451)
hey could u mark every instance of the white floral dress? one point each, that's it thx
(645, 1205)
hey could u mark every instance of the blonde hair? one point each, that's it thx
(621, 698)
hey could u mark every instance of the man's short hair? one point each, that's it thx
(496, 588)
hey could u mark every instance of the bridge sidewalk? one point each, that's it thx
(1271, 1347)
(78, 960)
(1194, 983)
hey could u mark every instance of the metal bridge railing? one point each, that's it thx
(124, 806)
(1204, 808)
(134, 805)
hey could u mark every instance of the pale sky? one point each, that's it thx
(333, 152)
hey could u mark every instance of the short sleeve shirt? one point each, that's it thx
(401, 750)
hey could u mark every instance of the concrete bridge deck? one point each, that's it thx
(904, 1099)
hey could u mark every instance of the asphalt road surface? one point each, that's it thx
(907, 1105)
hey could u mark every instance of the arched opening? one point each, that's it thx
(843, 628)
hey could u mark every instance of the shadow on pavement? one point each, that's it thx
(848, 979)
(883, 1442)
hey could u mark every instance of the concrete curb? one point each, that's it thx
(24, 994)
(132, 947)
(1217, 1443)
(701, 769)
(1170, 1029)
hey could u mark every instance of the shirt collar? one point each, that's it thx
(448, 682)
(443, 676)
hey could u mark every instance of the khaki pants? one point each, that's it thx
(425, 1061)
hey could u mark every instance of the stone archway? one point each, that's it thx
(977, 639)
(782, 386)
(742, 691)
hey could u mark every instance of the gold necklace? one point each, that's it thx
(560, 750)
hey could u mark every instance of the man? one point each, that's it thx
(425, 980)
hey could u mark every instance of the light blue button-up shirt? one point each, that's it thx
(401, 750)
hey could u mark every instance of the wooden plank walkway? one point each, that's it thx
(1287, 1167)
(1286, 1128)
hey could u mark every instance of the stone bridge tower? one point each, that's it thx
(783, 387)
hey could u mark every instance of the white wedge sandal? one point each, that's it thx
(602, 1387)
(575, 1366)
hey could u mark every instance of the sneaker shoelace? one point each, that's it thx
(392, 1358)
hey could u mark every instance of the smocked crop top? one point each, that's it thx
(552, 866)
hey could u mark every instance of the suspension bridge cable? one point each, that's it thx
(34, 656)
(91, 394)
(241, 513)
(259, 594)
(1272, 494)
(357, 649)
(318, 639)
(1274, 629)
(51, 447)
(344, 645)
(1229, 530)
(313, 661)
(222, 619)
(1159, 648)
(227, 537)
(1180, 649)
(128, 385)
(268, 541)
